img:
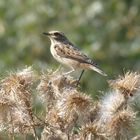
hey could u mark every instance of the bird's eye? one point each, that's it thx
(57, 34)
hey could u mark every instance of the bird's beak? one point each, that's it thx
(48, 34)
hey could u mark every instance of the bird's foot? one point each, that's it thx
(58, 69)
(69, 72)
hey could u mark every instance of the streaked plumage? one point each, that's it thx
(66, 53)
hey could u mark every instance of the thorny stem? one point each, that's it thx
(12, 133)
(30, 112)
(31, 116)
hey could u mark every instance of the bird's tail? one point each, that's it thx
(98, 70)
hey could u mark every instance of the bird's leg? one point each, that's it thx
(80, 77)
(58, 69)
(69, 71)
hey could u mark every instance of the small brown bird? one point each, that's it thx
(66, 53)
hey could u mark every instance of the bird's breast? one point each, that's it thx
(55, 55)
(53, 51)
(63, 60)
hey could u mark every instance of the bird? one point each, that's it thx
(68, 54)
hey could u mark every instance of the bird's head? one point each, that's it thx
(56, 36)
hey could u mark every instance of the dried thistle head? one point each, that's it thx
(70, 108)
(111, 103)
(62, 82)
(54, 119)
(16, 80)
(74, 101)
(27, 74)
(91, 131)
(120, 125)
(46, 93)
(58, 81)
(74, 106)
(14, 88)
(52, 85)
(127, 84)
(15, 95)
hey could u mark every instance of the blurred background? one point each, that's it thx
(107, 31)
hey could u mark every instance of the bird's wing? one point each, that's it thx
(68, 51)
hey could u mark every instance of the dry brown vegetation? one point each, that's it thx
(69, 114)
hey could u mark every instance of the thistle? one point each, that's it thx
(127, 84)
(121, 124)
